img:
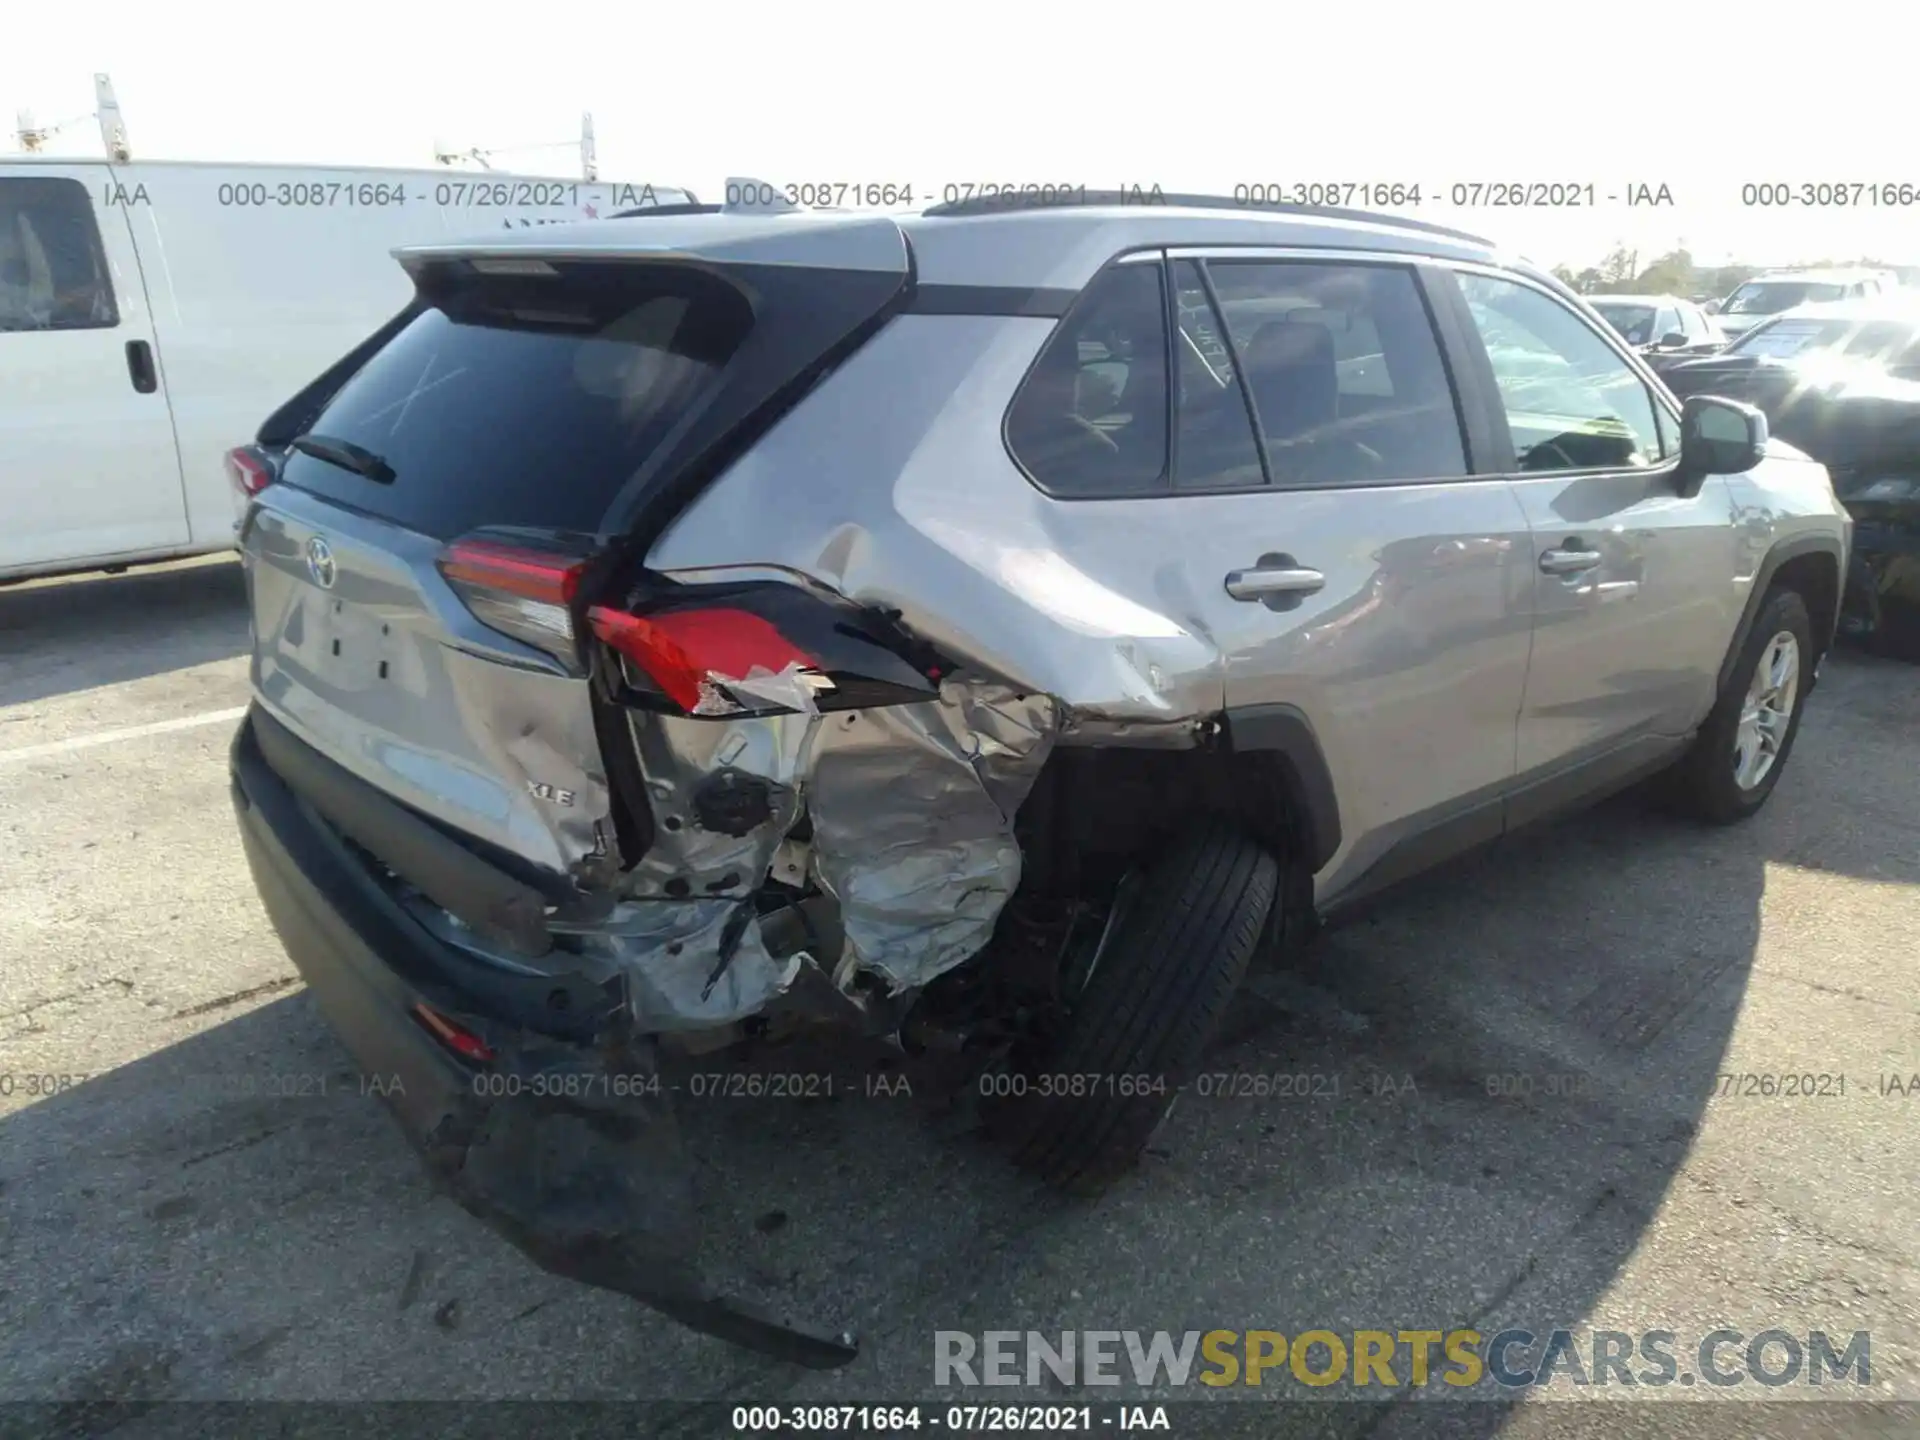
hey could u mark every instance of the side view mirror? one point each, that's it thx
(1673, 340)
(1718, 437)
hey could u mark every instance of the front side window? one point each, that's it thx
(1342, 369)
(53, 274)
(1571, 402)
(1090, 419)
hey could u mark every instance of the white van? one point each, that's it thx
(153, 313)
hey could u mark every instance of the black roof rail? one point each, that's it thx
(1077, 198)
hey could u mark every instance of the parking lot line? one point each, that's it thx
(131, 732)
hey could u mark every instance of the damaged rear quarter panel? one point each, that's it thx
(911, 808)
(885, 487)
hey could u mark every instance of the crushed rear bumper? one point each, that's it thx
(565, 1142)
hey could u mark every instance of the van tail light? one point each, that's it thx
(248, 470)
(760, 648)
(522, 589)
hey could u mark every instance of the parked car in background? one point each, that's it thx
(1663, 329)
(1842, 382)
(153, 312)
(971, 634)
(1777, 292)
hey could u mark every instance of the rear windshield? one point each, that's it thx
(1634, 322)
(526, 400)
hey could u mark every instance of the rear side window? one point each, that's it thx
(1091, 416)
(1343, 370)
(531, 401)
(53, 274)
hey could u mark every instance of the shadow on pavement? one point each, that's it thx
(1508, 1063)
(97, 630)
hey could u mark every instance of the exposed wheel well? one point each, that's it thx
(1095, 812)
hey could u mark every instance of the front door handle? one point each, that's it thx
(1564, 561)
(1263, 581)
(140, 367)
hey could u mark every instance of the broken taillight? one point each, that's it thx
(248, 470)
(685, 652)
(759, 649)
(518, 589)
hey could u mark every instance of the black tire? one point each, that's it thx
(1703, 784)
(1174, 959)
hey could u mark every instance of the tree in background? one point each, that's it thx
(1675, 273)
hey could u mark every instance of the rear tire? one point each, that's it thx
(1155, 999)
(1741, 750)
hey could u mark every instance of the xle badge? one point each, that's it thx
(552, 793)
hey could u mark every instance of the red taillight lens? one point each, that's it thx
(248, 470)
(687, 651)
(457, 1038)
(517, 590)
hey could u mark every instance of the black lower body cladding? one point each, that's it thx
(575, 1154)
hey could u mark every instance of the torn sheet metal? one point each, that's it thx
(686, 761)
(912, 809)
(700, 963)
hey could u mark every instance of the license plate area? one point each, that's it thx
(350, 645)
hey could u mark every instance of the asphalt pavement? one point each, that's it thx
(1527, 1108)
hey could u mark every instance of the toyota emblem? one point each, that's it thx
(320, 563)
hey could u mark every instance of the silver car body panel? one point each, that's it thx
(389, 675)
(1118, 608)
(1435, 662)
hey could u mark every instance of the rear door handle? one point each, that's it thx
(1563, 561)
(1258, 583)
(140, 367)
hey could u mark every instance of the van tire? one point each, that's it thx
(1152, 1005)
(1702, 784)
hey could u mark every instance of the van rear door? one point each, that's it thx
(88, 464)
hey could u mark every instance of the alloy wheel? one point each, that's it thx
(1767, 711)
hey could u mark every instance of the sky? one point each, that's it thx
(1203, 100)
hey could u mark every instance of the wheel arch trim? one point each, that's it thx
(1792, 548)
(1284, 732)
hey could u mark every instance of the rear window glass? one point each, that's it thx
(526, 401)
(1634, 322)
(1091, 417)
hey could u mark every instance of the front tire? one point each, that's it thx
(1741, 750)
(1187, 928)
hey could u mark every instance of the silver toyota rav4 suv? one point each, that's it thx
(972, 634)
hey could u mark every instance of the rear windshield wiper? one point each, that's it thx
(346, 455)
